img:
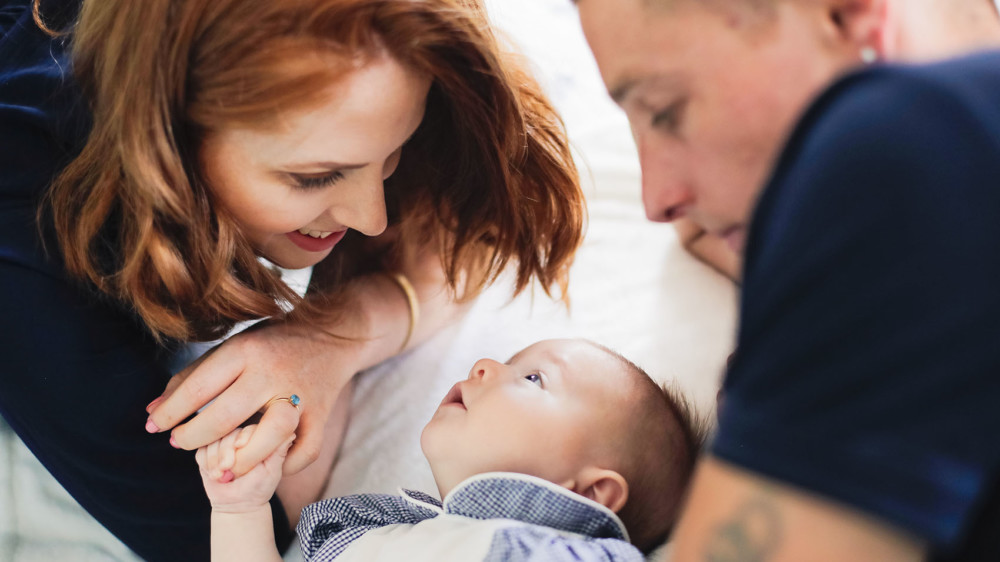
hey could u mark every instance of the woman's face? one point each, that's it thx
(296, 189)
(710, 94)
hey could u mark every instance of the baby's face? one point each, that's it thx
(541, 413)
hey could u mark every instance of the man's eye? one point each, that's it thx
(669, 119)
(534, 378)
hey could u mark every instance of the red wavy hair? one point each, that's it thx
(488, 177)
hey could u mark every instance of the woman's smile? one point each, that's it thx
(315, 240)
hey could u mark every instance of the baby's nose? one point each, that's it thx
(483, 369)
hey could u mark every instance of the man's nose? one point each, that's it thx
(666, 194)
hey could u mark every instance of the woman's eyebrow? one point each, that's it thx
(327, 165)
(321, 166)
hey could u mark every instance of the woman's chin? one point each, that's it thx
(294, 258)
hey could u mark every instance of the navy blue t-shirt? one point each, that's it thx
(75, 370)
(868, 363)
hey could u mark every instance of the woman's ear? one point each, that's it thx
(861, 26)
(606, 487)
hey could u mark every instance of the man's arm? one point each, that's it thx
(733, 515)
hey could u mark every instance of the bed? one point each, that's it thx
(632, 288)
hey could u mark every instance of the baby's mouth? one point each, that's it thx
(454, 397)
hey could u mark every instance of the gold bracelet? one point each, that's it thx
(411, 302)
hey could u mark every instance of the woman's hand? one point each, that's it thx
(278, 359)
(240, 376)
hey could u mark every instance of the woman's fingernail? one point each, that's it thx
(152, 405)
(173, 443)
(151, 427)
(227, 476)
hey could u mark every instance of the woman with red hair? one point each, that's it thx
(159, 157)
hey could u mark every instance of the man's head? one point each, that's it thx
(578, 415)
(713, 87)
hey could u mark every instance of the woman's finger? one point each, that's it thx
(279, 422)
(274, 462)
(197, 385)
(245, 436)
(319, 437)
(234, 406)
(307, 446)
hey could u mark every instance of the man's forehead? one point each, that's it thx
(630, 45)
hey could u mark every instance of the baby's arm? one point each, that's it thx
(241, 511)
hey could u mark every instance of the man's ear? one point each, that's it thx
(604, 486)
(860, 24)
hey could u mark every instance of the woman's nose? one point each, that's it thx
(363, 208)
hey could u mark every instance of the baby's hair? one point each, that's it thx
(658, 456)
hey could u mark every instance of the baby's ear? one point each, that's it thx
(606, 487)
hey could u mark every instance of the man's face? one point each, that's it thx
(710, 94)
(538, 414)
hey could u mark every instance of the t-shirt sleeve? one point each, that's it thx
(869, 342)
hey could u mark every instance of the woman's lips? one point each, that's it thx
(310, 244)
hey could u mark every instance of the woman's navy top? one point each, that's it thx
(76, 370)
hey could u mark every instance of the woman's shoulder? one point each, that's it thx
(43, 117)
(56, 13)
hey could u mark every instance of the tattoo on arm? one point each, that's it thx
(750, 535)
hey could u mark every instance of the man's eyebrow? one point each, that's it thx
(622, 91)
(619, 93)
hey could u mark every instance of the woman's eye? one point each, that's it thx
(534, 378)
(316, 181)
(669, 119)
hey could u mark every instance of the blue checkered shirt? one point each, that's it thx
(495, 516)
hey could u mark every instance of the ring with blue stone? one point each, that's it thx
(294, 400)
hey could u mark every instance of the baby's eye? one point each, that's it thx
(534, 378)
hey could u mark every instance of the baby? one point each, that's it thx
(567, 448)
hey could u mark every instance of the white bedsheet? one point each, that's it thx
(632, 288)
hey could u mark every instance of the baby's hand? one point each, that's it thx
(247, 492)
